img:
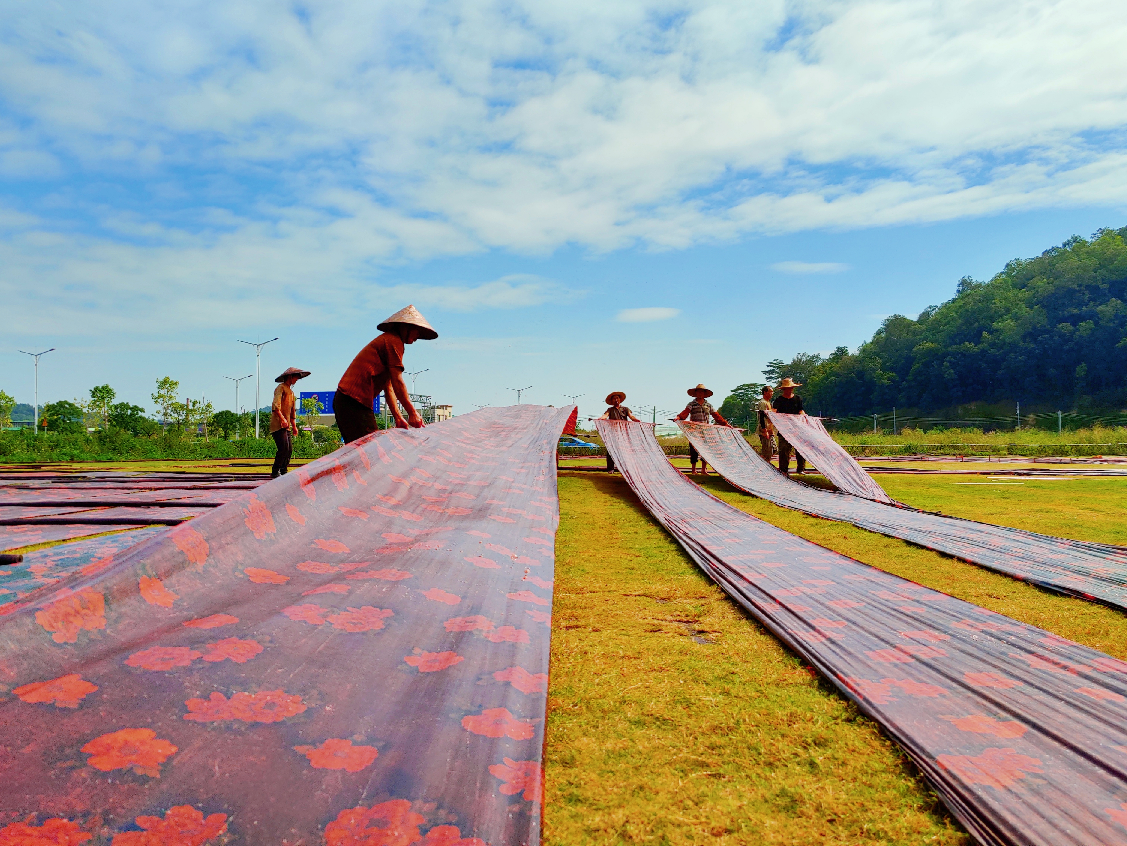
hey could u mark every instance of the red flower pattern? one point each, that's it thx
(182, 825)
(191, 543)
(84, 610)
(53, 832)
(1101, 693)
(508, 634)
(295, 515)
(163, 657)
(524, 777)
(388, 574)
(439, 595)
(523, 680)
(468, 624)
(448, 835)
(213, 622)
(261, 576)
(231, 648)
(498, 722)
(528, 596)
(337, 754)
(330, 588)
(432, 662)
(990, 680)
(133, 748)
(364, 619)
(269, 706)
(331, 545)
(308, 613)
(484, 563)
(155, 593)
(391, 823)
(64, 692)
(982, 724)
(997, 768)
(258, 518)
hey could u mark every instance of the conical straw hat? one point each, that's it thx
(410, 316)
(292, 371)
(610, 397)
(790, 383)
(699, 389)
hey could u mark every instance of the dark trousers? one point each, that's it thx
(693, 455)
(354, 419)
(284, 441)
(784, 457)
(610, 463)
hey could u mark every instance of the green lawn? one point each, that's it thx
(676, 719)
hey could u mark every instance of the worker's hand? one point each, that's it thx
(400, 423)
(416, 421)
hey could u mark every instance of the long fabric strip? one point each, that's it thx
(356, 652)
(1023, 733)
(810, 438)
(1091, 571)
(17, 537)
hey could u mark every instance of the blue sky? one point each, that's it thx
(581, 198)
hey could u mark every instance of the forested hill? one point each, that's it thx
(1049, 331)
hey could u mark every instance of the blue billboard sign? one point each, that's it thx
(326, 400)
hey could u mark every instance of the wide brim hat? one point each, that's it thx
(699, 389)
(611, 397)
(790, 383)
(292, 371)
(411, 317)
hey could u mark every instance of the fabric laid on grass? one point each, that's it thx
(45, 567)
(810, 438)
(353, 653)
(164, 513)
(1023, 733)
(17, 537)
(1090, 571)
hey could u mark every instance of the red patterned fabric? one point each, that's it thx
(353, 653)
(1078, 568)
(1023, 733)
(810, 438)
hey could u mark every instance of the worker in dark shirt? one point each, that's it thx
(379, 367)
(699, 411)
(789, 403)
(617, 411)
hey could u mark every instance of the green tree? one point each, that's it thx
(7, 403)
(226, 423)
(311, 407)
(738, 407)
(131, 418)
(63, 417)
(101, 398)
(167, 397)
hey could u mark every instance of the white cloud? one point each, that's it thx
(809, 267)
(646, 315)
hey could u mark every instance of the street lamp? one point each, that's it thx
(35, 422)
(236, 380)
(258, 380)
(520, 391)
(414, 376)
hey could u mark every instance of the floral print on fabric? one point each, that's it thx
(73, 613)
(181, 826)
(270, 706)
(65, 692)
(339, 754)
(137, 749)
(53, 832)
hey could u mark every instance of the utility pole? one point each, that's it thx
(236, 380)
(520, 391)
(35, 422)
(1018, 417)
(1058, 422)
(874, 424)
(258, 380)
(894, 420)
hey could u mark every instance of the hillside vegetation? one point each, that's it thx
(1049, 332)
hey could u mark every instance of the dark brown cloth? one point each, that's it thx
(370, 371)
(354, 419)
(618, 412)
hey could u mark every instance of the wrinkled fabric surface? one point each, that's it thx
(809, 437)
(1090, 571)
(1023, 733)
(356, 652)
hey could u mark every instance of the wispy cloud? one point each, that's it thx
(646, 315)
(809, 267)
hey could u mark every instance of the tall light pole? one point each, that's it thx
(258, 380)
(236, 380)
(35, 422)
(520, 391)
(574, 397)
(414, 376)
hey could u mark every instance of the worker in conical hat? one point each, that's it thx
(700, 410)
(379, 368)
(283, 419)
(617, 411)
(789, 403)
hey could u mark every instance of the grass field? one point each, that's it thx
(676, 719)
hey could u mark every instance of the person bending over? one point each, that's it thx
(379, 367)
(617, 411)
(283, 420)
(789, 403)
(700, 410)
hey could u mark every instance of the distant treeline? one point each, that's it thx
(1049, 332)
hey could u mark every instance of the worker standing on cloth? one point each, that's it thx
(283, 420)
(763, 425)
(789, 403)
(699, 411)
(379, 367)
(617, 411)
